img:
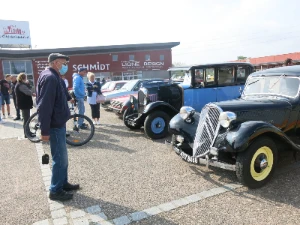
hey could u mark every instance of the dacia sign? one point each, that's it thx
(14, 34)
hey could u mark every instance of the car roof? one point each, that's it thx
(210, 64)
(287, 70)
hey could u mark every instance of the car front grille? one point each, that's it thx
(141, 96)
(207, 129)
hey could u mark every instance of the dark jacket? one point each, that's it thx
(52, 101)
(23, 96)
(90, 88)
(13, 86)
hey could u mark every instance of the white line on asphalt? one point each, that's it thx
(94, 214)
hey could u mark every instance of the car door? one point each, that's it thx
(200, 95)
(231, 82)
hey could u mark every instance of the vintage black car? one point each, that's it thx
(166, 101)
(246, 134)
(202, 84)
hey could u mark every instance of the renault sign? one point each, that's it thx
(14, 34)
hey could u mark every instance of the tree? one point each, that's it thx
(241, 57)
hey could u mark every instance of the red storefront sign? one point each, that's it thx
(104, 62)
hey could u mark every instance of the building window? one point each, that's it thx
(14, 67)
(147, 57)
(114, 58)
(131, 57)
(162, 57)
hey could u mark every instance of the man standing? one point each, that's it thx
(5, 89)
(13, 85)
(79, 91)
(53, 113)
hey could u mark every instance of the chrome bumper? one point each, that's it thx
(201, 161)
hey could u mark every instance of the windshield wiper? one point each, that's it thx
(282, 75)
(253, 82)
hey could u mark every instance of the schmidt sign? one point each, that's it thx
(14, 34)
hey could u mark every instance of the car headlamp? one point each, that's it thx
(186, 112)
(226, 118)
(131, 99)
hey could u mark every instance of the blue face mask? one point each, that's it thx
(63, 69)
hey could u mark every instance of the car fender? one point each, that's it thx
(127, 104)
(241, 136)
(160, 105)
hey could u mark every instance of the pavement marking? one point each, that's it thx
(93, 214)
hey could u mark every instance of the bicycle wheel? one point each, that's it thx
(76, 135)
(32, 128)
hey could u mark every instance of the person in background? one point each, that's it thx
(79, 91)
(288, 62)
(5, 89)
(24, 98)
(103, 81)
(53, 113)
(94, 89)
(63, 77)
(13, 85)
(1, 121)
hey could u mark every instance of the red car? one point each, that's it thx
(112, 85)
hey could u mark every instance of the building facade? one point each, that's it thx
(118, 62)
(266, 62)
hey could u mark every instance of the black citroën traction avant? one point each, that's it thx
(244, 135)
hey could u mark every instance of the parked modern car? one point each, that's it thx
(202, 84)
(121, 104)
(244, 135)
(113, 85)
(131, 87)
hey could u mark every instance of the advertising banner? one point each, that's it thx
(14, 34)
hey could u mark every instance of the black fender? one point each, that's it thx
(242, 135)
(160, 105)
(155, 106)
(127, 104)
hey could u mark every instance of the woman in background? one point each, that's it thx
(94, 89)
(24, 97)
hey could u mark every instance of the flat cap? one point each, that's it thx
(54, 56)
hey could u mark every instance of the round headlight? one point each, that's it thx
(226, 118)
(186, 112)
(131, 99)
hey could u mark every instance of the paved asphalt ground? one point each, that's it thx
(125, 178)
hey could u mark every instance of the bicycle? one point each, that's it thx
(75, 135)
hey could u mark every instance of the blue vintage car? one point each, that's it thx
(202, 84)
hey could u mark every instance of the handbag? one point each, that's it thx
(100, 99)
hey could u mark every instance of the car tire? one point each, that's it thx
(127, 112)
(249, 163)
(156, 125)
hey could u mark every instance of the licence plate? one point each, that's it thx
(188, 158)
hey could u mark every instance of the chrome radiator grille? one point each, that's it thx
(206, 131)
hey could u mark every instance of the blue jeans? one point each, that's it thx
(80, 102)
(59, 159)
(5, 99)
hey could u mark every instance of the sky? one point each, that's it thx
(208, 31)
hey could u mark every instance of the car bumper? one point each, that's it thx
(203, 161)
(134, 119)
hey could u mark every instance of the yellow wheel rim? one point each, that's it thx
(261, 163)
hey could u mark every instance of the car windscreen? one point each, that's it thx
(106, 85)
(129, 85)
(272, 85)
